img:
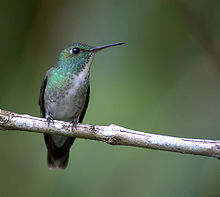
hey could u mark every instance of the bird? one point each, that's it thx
(64, 95)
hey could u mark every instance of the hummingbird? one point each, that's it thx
(64, 95)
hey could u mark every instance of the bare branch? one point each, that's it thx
(112, 134)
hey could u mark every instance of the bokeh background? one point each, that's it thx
(165, 80)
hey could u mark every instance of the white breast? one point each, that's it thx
(73, 100)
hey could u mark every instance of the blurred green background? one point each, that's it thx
(165, 80)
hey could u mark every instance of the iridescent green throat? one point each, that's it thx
(65, 69)
(73, 65)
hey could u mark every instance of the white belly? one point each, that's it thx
(70, 104)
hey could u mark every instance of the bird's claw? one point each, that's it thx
(49, 119)
(73, 123)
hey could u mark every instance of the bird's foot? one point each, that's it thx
(73, 123)
(49, 119)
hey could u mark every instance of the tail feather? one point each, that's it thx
(58, 156)
(54, 162)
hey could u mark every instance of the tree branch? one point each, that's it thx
(112, 134)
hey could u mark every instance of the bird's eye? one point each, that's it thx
(75, 51)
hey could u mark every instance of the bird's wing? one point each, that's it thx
(85, 106)
(41, 96)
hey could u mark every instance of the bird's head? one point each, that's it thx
(79, 55)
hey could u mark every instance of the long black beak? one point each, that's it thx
(105, 46)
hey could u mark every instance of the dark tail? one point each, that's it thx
(58, 156)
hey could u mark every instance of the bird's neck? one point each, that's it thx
(74, 65)
(63, 72)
